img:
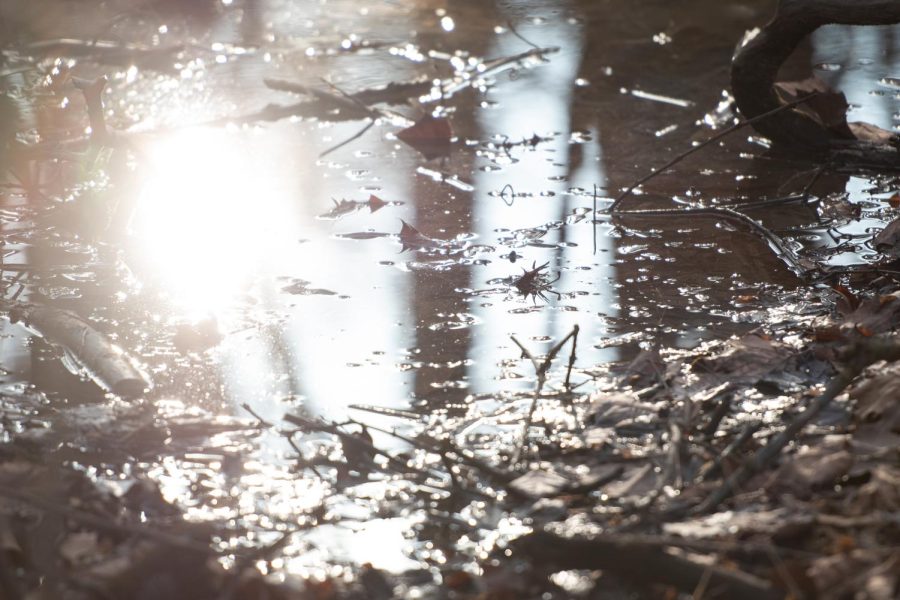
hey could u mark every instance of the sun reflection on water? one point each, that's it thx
(208, 220)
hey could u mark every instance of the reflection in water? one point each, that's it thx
(318, 315)
(537, 103)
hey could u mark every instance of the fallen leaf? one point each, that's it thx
(877, 409)
(646, 369)
(829, 107)
(429, 135)
(887, 241)
(747, 359)
(874, 315)
(814, 468)
(413, 239)
(846, 574)
(540, 484)
(458, 580)
(301, 288)
(619, 410)
(375, 203)
(197, 336)
(850, 300)
(880, 493)
(427, 129)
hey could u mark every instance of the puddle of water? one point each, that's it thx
(311, 302)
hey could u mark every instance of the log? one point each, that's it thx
(755, 68)
(105, 362)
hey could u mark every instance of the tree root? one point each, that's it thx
(823, 130)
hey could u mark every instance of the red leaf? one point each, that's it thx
(376, 203)
(429, 135)
(428, 129)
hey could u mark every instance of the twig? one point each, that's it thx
(465, 456)
(812, 182)
(262, 422)
(594, 219)
(353, 137)
(340, 100)
(346, 438)
(571, 358)
(745, 434)
(512, 194)
(490, 67)
(526, 353)
(718, 136)
(512, 30)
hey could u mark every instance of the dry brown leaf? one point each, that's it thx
(375, 203)
(540, 484)
(80, 547)
(887, 241)
(645, 370)
(829, 106)
(874, 315)
(428, 129)
(847, 574)
(815, 468)
(881, 493)
(429, 135)
(747, 359)
(618, 410)
(877, 409)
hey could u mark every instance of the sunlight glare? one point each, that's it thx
(207, 219)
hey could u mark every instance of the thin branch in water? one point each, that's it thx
(355, 136)
(527, 354)
(572, 358)
(512, 194)
(594, 219)
(262, 422)
(512, 30)
(782, 250)
(805, 193)
(715, 138)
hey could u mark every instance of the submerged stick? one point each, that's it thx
(782, 250)
(105, 362)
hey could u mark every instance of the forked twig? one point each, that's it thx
(541, 370)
